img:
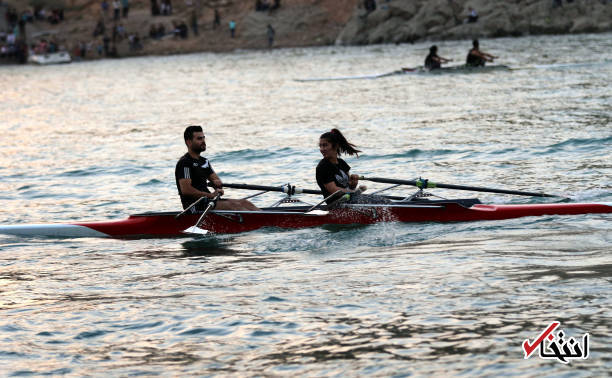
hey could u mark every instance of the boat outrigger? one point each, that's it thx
(290, 212)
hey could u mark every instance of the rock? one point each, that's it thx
(386, 32)
(408, 21)
(403, 9)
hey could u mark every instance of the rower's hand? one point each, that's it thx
(353, 180)
(217, 191)
(362, 188)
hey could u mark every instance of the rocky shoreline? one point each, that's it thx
(303, 23)
(409, 21)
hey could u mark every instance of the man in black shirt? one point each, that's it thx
(192, 172)
(477, 58)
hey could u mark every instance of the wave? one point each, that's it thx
(417, 154)
(579, 144)
(251, 154)
(97, 171)
(151, 182)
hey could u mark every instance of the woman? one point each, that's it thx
(333, 172)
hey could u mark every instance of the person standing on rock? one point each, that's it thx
(154, 8)
(433, 61)
(194, 22)
(472, 15)
(232, 28)
(116, 10)
(477, 58)
(271, 33)
(216, 20)
(125, 7)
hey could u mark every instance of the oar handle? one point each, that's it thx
(424, 184)
(287, 188)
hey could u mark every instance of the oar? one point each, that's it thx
(423, 184)
(177, 216)
(334, 194)
(289, 189)
(195, 229)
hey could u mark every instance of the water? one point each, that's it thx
(99, 140)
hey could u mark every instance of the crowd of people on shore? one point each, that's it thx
(9, 49)
(157, 30)
(37, 13)
(13, 46)
(120, 7)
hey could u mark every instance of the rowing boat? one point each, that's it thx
(286, 214)
(460, 69)
(165, 224)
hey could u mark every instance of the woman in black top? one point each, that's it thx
(333, 172)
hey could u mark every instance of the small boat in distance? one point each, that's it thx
(50, 58)
(461, 69)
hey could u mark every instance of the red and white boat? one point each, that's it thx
(411, 209)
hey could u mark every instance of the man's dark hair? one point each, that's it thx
(188, 135)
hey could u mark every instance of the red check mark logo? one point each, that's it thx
(529, 348)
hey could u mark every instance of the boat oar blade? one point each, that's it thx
(317, 213)
(194, 230)
(426, 184)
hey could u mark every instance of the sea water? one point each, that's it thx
(99, 140)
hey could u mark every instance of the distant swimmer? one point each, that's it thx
(477, 58)
(433, 61)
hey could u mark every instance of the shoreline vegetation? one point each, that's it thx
(96, 29)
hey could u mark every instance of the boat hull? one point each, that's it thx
(222, 222)
(229, 222)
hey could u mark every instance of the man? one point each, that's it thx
(271, 33)
(232, 28)
(477, 58)
(192, 171)
(472, 15)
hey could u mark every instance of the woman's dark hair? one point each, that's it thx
(433, 49)
(475, 43)
(188, 134)
(336, 138)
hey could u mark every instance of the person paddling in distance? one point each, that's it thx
(477, 58)
(192, 171)
(333, 172)
(433, 61)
